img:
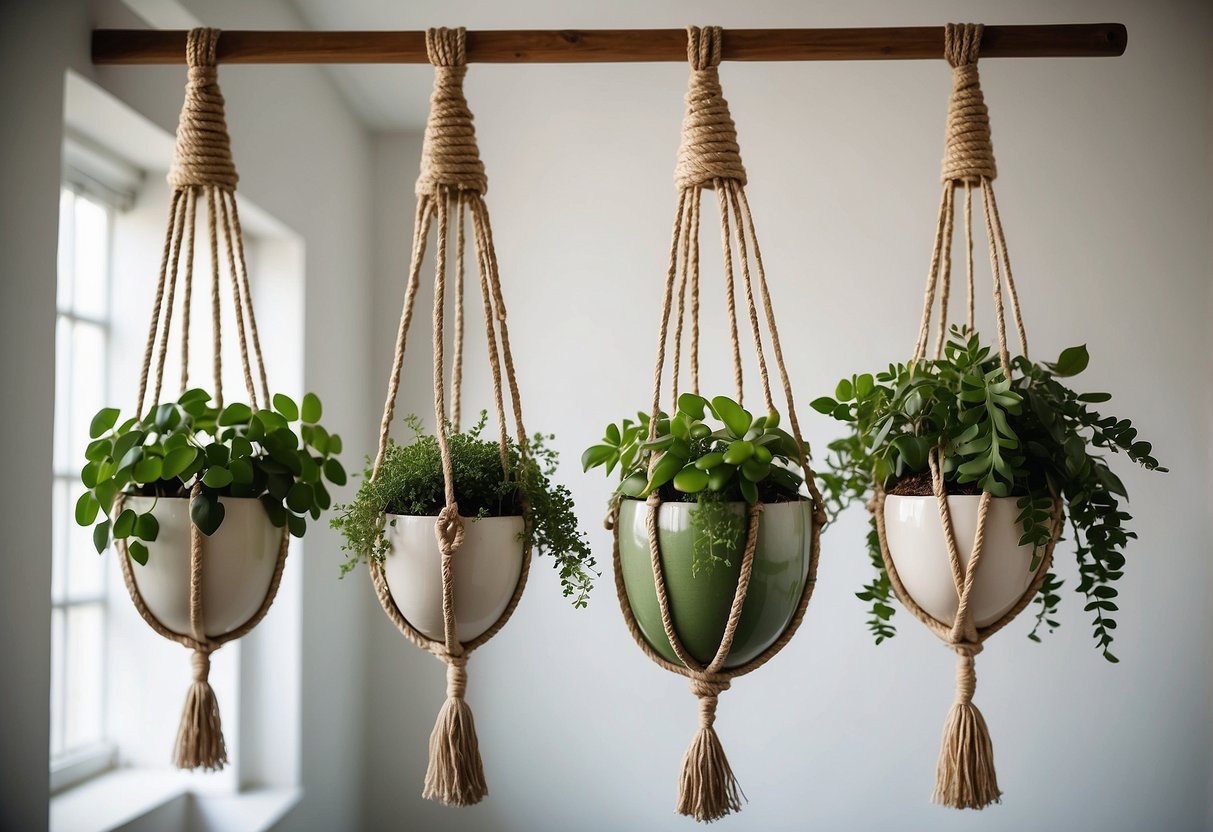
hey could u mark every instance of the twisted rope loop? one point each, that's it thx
(204, 149)
(452, 181)
(709, 158)
(202, 169)
(968, 162)
(709, 149)
(449, 154)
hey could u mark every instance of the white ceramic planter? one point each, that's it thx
(918, 549)
(238, 563)
(486, 571)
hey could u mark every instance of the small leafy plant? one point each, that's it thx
(232, 451)
(1029, 437)
(410, 482)
(742, 458)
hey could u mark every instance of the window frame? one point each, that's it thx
(71, 765)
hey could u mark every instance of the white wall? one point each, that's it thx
(303, 158)
(1104, 189)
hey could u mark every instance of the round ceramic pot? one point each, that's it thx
(486, 571)
(916, 544)
(700, 603)
(238, 563)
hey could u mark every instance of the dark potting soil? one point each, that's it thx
(918, 484)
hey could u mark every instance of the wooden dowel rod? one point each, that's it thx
(151, 46)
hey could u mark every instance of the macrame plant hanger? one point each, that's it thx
(709, 158)
(965, 776)
(202, 170)
(453, 180)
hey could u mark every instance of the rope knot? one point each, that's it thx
(201, 662)
(968, 150)
(449, 529)
(708, 689)
(966, 676)
(450, 156)
(204, 150)
(709, 149)
(456, 676)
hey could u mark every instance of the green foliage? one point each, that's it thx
(232, 452)
(741, 458)
(1030, 437)
(410, 482)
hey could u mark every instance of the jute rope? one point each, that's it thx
(202, 169)
(452, 178)
(709, 157)
(965, 774)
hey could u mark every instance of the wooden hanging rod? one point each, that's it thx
(151, 46)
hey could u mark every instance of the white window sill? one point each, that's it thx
(120, 799)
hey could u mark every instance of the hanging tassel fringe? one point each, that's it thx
(707, 789)
(200, 741)
(455, 776)
(965, 777)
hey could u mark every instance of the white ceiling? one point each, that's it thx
(396, 97)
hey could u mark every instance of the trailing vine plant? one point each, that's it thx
(1030, 437)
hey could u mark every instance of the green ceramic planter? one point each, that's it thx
(700, 604)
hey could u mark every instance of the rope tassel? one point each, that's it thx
(200, 738)
(965, 777)
(455, 776)
(707, 789)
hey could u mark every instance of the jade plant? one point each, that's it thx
(1030, 437)
(410, 482)
(710, 453)
(281, 457)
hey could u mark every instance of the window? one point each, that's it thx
(78, 583)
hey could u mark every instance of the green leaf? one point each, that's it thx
(692, 404)
(207, 513)
(334, 444)
(312, 409)
(691, 480)
(98, 450)
(593, 456)
(148, 469)
(217, 477)
(738, 452)
(147, 527)
(749, 491)
(299, 498)
(125, 524)
(634, 485)
(241, 447)
(138, 552)
(735, 418)
(864, 385)
(102, 422)
(755, 471)
(665, 469)
(101, 535)
(168, 416)
(334, 472)
(177, 460)
(236, 413)
(844, 392)
(87, 508)
(824, 405)
(709, 461)
(286, 406)
(274, 509)
(720, 476)
(242, 471)
(1095, 398)
(1072, 361)
(217, 454)
(296, 524)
